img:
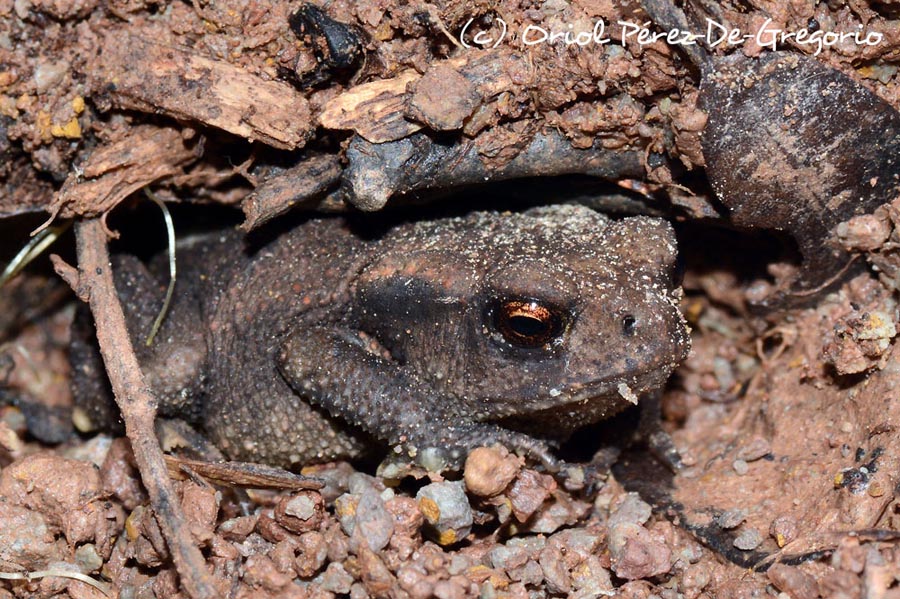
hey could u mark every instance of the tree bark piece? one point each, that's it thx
(277, 195)
(142, 75)
(373, 110)
(113, 172)
(93, 282)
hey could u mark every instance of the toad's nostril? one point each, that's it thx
(629, 323)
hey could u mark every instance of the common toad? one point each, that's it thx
(434, 338)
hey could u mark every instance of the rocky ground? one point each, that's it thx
(786, 421)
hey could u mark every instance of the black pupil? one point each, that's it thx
(528, 327)
(528, 323)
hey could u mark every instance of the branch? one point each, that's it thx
(94, 281)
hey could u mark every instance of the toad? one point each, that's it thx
(432, 339)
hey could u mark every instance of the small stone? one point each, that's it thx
(345, 510)
(414, 580)
(335, 579)
(87, 558)
(201, 510)
(358, 483)
(756, 449)
(459, 564)
(300, 512)
(237, 529)
(374, 523)
(556, 574)
(635, 552)
(25, 537)
(529, 492)
(375, 576)
(516, 552)
(730, 519)
(449, 589)
(446, 509)
(48, 75)
(558, 511)
(695, 578)
(748, 539)
(576, 544)
(740, 467)
(591, 579)
(867, 232)
(489, 470)
(793, 581)
(337, 543)
(632, 509)
(443, 98)
(358, 591)
(260, 572)
(783, 529)
(271, 530)
(282, 555)
(312, 551)
(641, 556)
(407, 517)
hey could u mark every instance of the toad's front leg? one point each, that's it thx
(334, 369)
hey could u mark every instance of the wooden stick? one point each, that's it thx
(93, 283)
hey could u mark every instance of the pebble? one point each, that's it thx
(632, 509)
(446, 509)
(793, 581)
(529, 492)
(407, 517)
(783, 529)
(576, 544)
(591, 579)
(414, 580)
(25, 537)
(730, 519)
(556, 574)
(300, 512)
(374, 523)
(237, 529)
(748, 539)
(358, 483)
(756, 449)
(337, 543)
(50, 74)
(335, 579)
(635, 552)
(87, 558)
(376, 578)
(560, 511)
(345, 510)
(312, 551)
(449, 589)
(740, 467)
(259, 571)
(489, 470)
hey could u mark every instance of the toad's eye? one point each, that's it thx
(528, 323)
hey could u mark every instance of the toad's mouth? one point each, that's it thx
(596, 399)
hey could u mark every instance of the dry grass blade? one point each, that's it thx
(170, 234)
(242, 474)
(34, 248)
(103, 588)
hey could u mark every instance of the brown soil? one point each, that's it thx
(786, 422)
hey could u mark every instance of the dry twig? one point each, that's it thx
(93, 283)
